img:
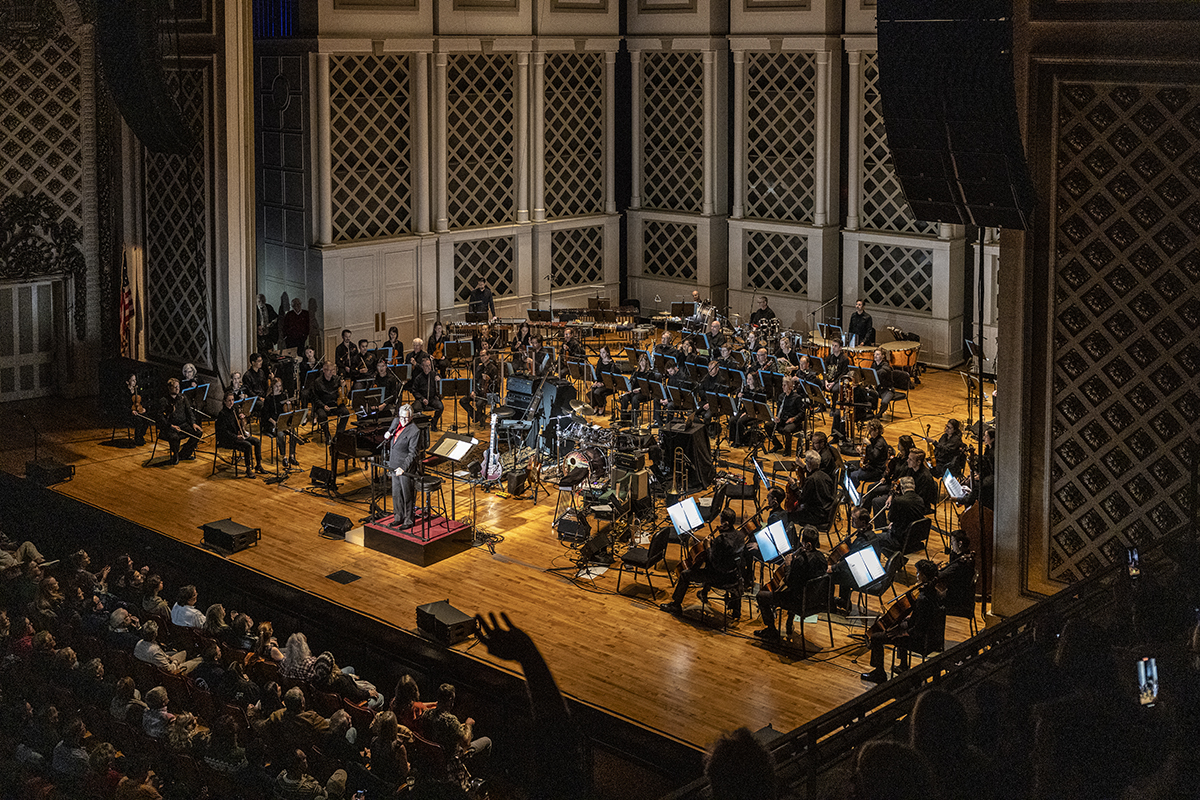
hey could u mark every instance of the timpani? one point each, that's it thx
(818, 345)
(903, 354)
(861, 356)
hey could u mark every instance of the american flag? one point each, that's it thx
(126, 310)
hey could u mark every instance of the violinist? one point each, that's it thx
(818, 498)
(327, 399)
(359, 364)
(487, 381)
(923, 629)
(789, 417)
(803, 566)
(233, 433)
(383, 379)
(881, 362)
(927, 485)
(177, 424)
(720, 565)
(277, 403)
(237, 387)
(599, 392)
(896, 467)
(417, 354)
(836, 367)
(875, 455)
(134, 414)
(751, 391)
(904, 507)
(426, 391)
(830, 460)
(255, 378)
(710, 384)
(436, 344)
(341, 356)
(189, 380)
(396, 344)
(949, 452)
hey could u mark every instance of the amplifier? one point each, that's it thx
(48, 471)
(573, 526)
(228, 536)
(444, 623)
(630, 462)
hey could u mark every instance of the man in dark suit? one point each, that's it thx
(904, 508)
(402, 462)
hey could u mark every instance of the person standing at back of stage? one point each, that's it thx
(268, 325)
(861, 329)
(296, 325)
(481, 300)
(764, 312)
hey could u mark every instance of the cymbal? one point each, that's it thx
(580, 407)
(504, 412)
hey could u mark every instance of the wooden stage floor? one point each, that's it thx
(619, 652)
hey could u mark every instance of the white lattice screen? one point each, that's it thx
(898, 277)
(777, 262)
(40, 97)
(480, 136)
(883, 205)
(673, 131)
(574, 155)
(669, 249)
(493, 260)
(781, 136)
(178, 243)
(370, 110)
(577, 256)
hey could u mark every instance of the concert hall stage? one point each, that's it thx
(678, 677)
(418, 545)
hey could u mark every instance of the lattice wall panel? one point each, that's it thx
(480, 135)
(669, 250)
(781, 136)
(777, 262)
(673, 131)
(1126, 314)
(883, 205)
(898, 277)
(574, 136)
(40, 147)
(493, 260)
(370, 118)
(178, 239)
(577, 255)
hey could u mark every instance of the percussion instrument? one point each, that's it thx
(642, 332)
(904, 354)
(591, 458)
(861, 356)
(818, 345)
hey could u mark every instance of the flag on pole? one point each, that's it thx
(126, 309)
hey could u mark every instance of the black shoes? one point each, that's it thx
(874, 676)
(259, 469)
(671, 608)
(768, 635)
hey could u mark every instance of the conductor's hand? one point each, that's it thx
(510, 643)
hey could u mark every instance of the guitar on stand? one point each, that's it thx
(491, 464)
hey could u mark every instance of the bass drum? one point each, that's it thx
(590, 458)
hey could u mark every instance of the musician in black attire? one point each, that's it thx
(436, 345)
(721, 567)
(676, 379)
(268, 325)
(417, 354)
(710, 384)
(904, 508)
(665, 350)
(521, 340)
(836, 367)
(177, 424)
(957, 577)
(851, 394)
(716, 337)
(927, 485)
(804, 370)
(396, 344)
(751, 391)
(599, 391)
(727, 361)
(764, 312)
(232, 433)
(403, 463)
(830, 461)
(325, 390)
(983, 480)
(949, 451)
(785, 353)
(636, 396)
(487, 380)
(274, 405)
(138, 422)
(861, 328)
(426, 392)
(923, 629)
(237, 387)
(874, 457)
(805, 565)
(384, 380)
(817, 496)
(341, 356)
(481, 300)
(537, 358)
(307, 365)
(885, 382)
(255, 379)
(896, 467)
(859, 537)
(789, 417)
(358, 364)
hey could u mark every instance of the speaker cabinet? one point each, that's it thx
(946, 86)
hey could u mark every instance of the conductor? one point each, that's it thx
(403, 464)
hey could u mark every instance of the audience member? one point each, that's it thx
(156, 717)
(184, 613)
(739, 767)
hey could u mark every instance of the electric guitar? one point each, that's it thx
(491, 469)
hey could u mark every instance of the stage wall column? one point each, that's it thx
(440, 63)
(421, 139)
(635, 123)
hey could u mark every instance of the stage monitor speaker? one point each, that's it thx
(693, 441)
(128, 40)
(444, 623)
(228, 536)
(515, 482)
(594, 547)
(334, 526)
(573, 527)
(325, 478)
(949, 108)
(48, 471)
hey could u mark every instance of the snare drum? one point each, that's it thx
(591, 458)
(904, 354)
(861, 356)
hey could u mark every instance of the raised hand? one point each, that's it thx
(509, 643)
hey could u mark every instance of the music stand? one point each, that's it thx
(476, 317)
(772, 382)
(245, 406)
(366, 399)
(401, 372)
(287, 423)
(459, 350)
(457, 387)
(538, 314)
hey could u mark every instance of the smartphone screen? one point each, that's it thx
(1133, 562)
(1147, 675)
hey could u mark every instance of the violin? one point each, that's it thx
(930, 449)
(791, 494)
(136, 402)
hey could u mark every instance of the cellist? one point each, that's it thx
(923, 629)
(720, 562)
(804, 565)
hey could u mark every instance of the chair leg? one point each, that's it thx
(620, 572)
